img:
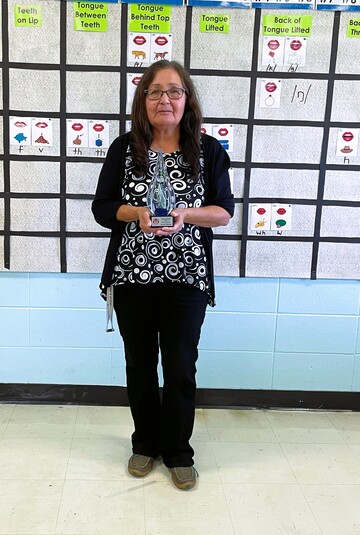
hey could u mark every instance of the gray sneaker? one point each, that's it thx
(140, 465)
(184, 477)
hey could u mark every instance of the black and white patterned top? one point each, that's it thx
(180, 257)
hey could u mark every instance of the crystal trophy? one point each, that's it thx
(161, 195)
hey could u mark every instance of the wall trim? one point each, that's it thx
(206, 397)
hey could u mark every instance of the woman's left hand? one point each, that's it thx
(205, 216)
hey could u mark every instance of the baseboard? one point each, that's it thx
(206, 397)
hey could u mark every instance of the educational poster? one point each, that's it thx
(277, 83)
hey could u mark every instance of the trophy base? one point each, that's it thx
(162, 221)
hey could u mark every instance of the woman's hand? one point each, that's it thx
(178, 215)
(128, 213)
(144, 220)
(206, 216)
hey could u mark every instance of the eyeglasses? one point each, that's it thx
(175, 93)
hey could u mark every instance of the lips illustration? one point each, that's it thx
(98, 127)
(136, 80)
(281, 211)
(261, 211)
(203, 130)
(270, 87)
(41, 125)
(273, 44)
(19, 124)
(346, 149)
(77, 127)
(223, 132)
(161, 40)
(295, 44)
(139, 40)
(347, 136)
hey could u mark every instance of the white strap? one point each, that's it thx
(109, 309)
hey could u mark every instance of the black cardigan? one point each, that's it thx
(108, 198)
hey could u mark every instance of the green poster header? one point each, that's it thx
(353, 29)
(299, 25)
(149, 18)
(28, 15)
(210, 23)
(90, 17)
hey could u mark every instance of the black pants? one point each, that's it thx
(165, 316)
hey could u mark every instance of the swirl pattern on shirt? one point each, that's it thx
(180, 257)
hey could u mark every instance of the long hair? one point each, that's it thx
(190, 124)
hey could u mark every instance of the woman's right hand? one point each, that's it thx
(144, 220)
(129, 213)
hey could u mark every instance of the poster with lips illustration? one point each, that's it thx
(132, 81)
(260, 217)
(77, 133)
(273, 51)
(20, 131)
(347, 142)
(270, 217)
(270, 92)
(41, 132)
(207, 128)
(224, 133)
(161, 47)
(295, 51)
(281, 215)
(146, 48)
(138, 49)
(98, 134)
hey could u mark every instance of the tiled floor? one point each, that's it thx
(63, 471)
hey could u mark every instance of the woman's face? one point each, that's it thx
(165, 114)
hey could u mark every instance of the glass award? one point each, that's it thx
(161, 195)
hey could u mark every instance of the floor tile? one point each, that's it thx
(335, 507)
(29, 507)
(102, 507)
(160, 473)
(269, 509)
(39, 430)
(303, 427)
(98, 458)
(101, 422)
(5, 415)
(63, 470)
(355, 448)
(50, 414)
(252, 463)
(238, 426)
(33, 458)
(202, 510)
(348, 425)
(205, 462)
(200, 432)
(6, 410)
(41, 421)
(323, 463)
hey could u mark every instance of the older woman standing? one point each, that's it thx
(162, 278)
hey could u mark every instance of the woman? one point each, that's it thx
(162, 278)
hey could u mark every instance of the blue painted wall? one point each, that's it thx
(283, 334)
